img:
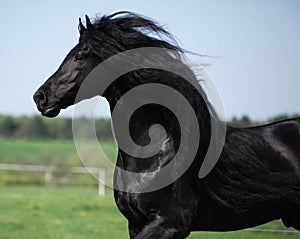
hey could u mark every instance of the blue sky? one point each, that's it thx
(257, 42)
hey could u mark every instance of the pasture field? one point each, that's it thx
(61, 154)
(33, 212)
(45, 151)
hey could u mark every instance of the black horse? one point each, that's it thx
(256, 179)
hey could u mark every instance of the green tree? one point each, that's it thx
(8, 127)
(32, 127)
(244, 121)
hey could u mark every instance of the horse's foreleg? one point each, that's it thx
(133, 231)
(163, 228)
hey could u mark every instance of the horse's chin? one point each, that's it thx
(51, 112)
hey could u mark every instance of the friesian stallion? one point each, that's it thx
(256, 178)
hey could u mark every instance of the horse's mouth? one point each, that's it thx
(51, 112)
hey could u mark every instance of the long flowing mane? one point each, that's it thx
(123, 31)
(126, 30)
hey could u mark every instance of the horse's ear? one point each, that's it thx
(88, 23)
(81, 28)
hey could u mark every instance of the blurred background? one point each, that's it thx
(253, 49)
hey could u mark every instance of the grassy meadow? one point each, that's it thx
(30, 209)
(78, 212)
(45, 151)
(61, 154)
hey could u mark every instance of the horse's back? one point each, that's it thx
(284, 136)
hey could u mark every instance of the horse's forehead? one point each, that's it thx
(76, 48)
(73, 51)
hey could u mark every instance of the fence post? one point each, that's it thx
(48, 175)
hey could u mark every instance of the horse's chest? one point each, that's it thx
(131, 206)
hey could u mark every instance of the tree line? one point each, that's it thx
(37, 127)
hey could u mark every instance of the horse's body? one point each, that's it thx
(188, 206)
(256, 179)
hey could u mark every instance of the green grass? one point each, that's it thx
(34, 151)
(45, 152)
(41, 212)
(37, 212)
(58, 153)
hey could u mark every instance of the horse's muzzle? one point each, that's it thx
(47, 108)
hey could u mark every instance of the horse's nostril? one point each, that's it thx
(40, 98)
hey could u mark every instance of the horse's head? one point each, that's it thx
(98, 41)
(59, 91)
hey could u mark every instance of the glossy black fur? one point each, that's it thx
(256, 180)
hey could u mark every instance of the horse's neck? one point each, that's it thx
(149, 115)
(140, 123)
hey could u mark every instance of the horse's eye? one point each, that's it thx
(81, 56)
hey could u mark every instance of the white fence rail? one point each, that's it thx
(49, 170)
